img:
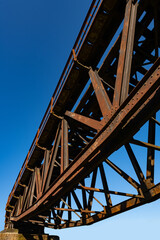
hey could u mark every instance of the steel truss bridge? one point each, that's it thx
(103, 111)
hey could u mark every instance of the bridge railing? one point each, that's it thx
(68, 67)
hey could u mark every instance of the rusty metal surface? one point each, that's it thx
(119, 60)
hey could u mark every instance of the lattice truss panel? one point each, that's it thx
(103, 158)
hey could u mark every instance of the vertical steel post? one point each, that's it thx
(38, 181)
(136, 167)
(52, 160)
(91, 194)
(64, 146)
(69, 203)
(126, 52)
(152, 127)
(45, 164)
(151, 152)
(105, 186)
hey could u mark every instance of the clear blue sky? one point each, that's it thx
(36, 38)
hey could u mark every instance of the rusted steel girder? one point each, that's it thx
(68, 165)
(106, 141)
